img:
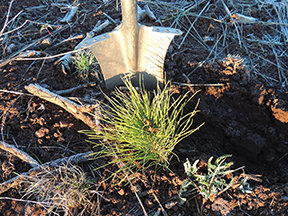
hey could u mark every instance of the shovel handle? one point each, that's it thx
(129, 32)
(129, 14)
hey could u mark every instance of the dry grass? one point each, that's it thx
(64, 189)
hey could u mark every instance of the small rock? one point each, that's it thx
(285, 198)
(41, 132)
(149, 204)
(41, 121)
(170, 205)
(121, 192)
(63, 124)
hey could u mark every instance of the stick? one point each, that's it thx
(81, 36)
(7, 18)
(20, 154)
(141, 14)
(233, 22)
(71, 107)
(163, 210)
(68, 91)
(15, 55)
(198, 85)
(70, 14)
(74, 159)
(192, 25)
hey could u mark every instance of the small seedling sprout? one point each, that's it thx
(85, 62)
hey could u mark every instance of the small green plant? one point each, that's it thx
(140, 128)
(62, 190)
(214, 181)
(85, 62)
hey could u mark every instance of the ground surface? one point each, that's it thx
(246, 116)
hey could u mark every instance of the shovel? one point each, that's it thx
(132, 49)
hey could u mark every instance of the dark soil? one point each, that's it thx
(246, 116)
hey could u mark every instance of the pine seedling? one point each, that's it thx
(140, 129)
(85, 62)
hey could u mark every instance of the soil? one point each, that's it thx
(245, 113)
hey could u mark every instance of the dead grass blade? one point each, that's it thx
(74, 159)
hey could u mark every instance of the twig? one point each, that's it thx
(158, 212)
(98, 27)
(15, 55)
(268, 61)
(66, 40)
(68, 91)
(20, 154)
(163, 210)
(194, 37)
(15, 28)
(192, 25)
(176, 53)
(283, 156)
(234, 23)
(74, 159)
(70, 14)
(142, 13)
(110, 18)
(13, 92)
(135, 191)
(282, 10)
(188, 84)
(76, 110)
(46, 24)
(280, 72)
(7, 17)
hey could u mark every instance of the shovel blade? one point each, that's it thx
(114, 56)
(109, 53)
(153, 44)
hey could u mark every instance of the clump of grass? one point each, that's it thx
(64, 189)
(85, 62)
(215, 180)
(140, 129)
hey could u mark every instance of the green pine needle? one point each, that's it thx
(140, 129)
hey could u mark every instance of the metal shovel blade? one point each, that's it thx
(132, 49)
